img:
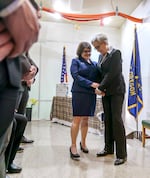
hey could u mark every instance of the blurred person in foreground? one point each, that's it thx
(20, 120)
(16, 18)
(29, 70)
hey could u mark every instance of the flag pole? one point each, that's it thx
(139, 133)
(136, 79)
(137, 122)
(135, 134)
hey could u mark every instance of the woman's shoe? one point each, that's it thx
(74, 156)
(85, 150)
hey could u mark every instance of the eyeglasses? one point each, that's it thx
(86, 51)
(98, 46)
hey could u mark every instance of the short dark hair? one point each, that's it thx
(81, 47)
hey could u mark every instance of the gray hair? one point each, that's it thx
(100, 38)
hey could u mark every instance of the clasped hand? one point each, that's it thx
(99, 92)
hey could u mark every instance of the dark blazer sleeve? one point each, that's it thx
(113, 68)
(74, 69)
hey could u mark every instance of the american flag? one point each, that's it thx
(64, 76)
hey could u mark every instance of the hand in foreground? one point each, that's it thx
(24, 28)
(6, 44)
(99, 92)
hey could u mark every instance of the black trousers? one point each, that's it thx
(19, 124)
(23, 101)
(114, 126)
(11, 142)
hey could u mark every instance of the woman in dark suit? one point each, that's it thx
(112, 86)
(84, 73)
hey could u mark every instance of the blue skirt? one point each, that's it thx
(83, 104)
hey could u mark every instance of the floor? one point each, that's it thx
(48, 156)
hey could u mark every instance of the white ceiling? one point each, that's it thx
(94, 7)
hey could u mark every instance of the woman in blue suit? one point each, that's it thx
(85, 81)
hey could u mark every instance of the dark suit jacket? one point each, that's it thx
(10, 77)
(14, 72)
(84, 74)
(112, 81)
(10, 73)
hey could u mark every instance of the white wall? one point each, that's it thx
(47, 53)
(143, 31)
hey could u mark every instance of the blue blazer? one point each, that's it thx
(84, 74)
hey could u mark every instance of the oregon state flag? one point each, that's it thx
(135, 99)
(64, 76)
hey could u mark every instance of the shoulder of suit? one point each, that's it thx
(114, 51)
(75, 59)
